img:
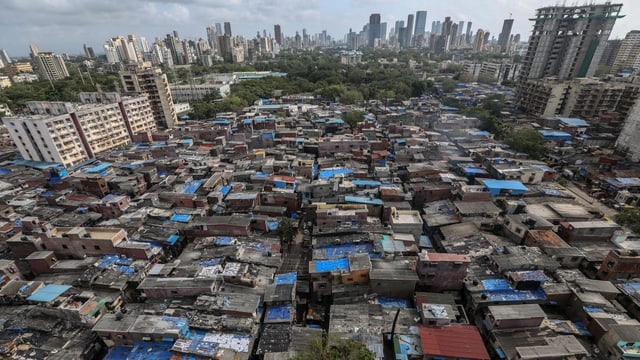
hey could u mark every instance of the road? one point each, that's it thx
(586, 200)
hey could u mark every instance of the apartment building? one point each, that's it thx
(628, 56)
(148, 80)
(566, 42)
(584, 97)
(70, 134)
(51, 66)
(79, 242)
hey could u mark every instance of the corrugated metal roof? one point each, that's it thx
(453, 341)
(48, 293)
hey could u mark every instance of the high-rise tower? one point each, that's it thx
(374, 29)
(421, 22)
(503, 38)
(277, 32)
(568, 41)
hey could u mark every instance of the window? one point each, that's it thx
(64, 246)
(96, 247)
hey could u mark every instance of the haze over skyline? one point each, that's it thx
(65, 25)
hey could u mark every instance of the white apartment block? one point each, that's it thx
(70, 134)
(144, 79)
(51, 66)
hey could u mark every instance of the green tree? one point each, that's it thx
(448, 85)
(486, 79)
(341, 349)
(466, 77)
(287, 229)
(351, 96)
(527, 141)
(353, 118)
(629, 217)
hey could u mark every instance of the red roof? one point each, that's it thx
(433, 256)
(453, 341)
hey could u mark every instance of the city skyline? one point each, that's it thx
(65, 26)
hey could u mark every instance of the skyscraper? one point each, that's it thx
(628, 56)
(478, 41)
(460, 28)
(409, 32)
(211, 36)
(568, 41)
(227, 28)
(374, 29)
(399, 25)
(421, 23)
(84, 47)
(444, 40)
(4, 57)
(468, 33)
(49, 65)
(503, 38)
(383, 32)
(218, 29)
(277, 32)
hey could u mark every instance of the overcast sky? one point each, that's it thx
(64, 25)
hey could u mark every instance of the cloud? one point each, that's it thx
(64, 25)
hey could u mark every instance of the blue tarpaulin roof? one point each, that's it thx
(98, 168)
(573, 121)
(191, 187)
(474, 171)
(480, 133)
(48, 293)
(362, 200)
(343, 250)
(40, 165)
(501, 290)
(555, 135)
(114, 259)
(287, 278)
(332, 265)
(279, 312)
(505, 185)
(4, 171)
(329, 173)
(224, 240)
(120, 352)
(181, 218)
(272, 225)
(151, 350)
(173, 239)
(388, 302)
(425, 241)
(360, 182)
(225, 189)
